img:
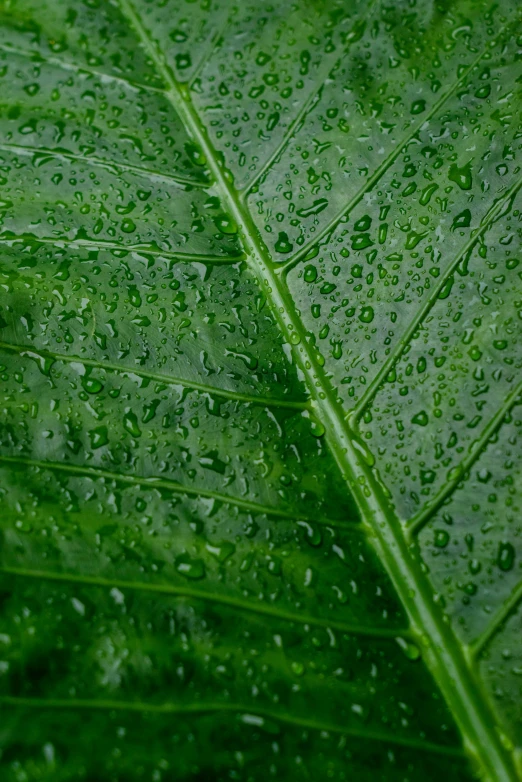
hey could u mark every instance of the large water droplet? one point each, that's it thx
(461, 176)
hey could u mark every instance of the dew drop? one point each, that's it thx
(225, 224)
(441, 538)
(366, 315)
(461, 176)
(310, 273)
(421, 418)
(91, 385)
(506, 556)
(410, 649)
(193, 569)
(130, 423)
(283, 244)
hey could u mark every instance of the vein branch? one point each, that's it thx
(497, 622)
(430, 301)
(242, 710)
(173, 486)
(211, 49)
(457, 474)
(37, 57)
(383, 168)
(108, 366)
(114, 166)
(10, 239)
(306, 106)
(248, 606)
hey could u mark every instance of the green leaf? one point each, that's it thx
(260, 388)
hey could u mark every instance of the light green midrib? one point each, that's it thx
(441, 652)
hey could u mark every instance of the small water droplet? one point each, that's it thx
(441, 538)
(310, 273)
(194, 569)
(410, 649)
(506, 556)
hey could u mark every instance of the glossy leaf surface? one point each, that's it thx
(260, 375)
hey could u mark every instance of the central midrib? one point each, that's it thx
(441, 650)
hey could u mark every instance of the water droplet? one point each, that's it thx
(506, 556)
(221, 551)
(446, 288)
(442, 538)
(410, 649)
(283, 244)
(128, 226)
(363, 223)
(366, 315)
(316, 207)
(483, 91)
(421, 418)
(313, 535)
(366, 454)
(418, 106)
(310, 273)
(462, 220)
(44, 363)
(361, 241)
(474, 566)
(130, 423)
(427, 194)
(211, 461)
(461, 176)
(98, 437)
(225, 224)
(250, 361)
(316, 427)
(194, 569)
(91, 385)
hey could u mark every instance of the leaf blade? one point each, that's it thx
(350, 454)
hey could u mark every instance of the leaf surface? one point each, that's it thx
(260, 375)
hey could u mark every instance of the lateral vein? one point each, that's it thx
(248, 710)
(112, 166)
(9, 239)
(305, 107)
(177, 488)
(108, 366)
(196, 594)
(36, 57)
(428, 305)
(417, 522)
(381, 170)
(498, 620)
